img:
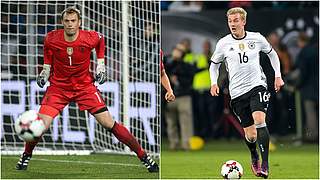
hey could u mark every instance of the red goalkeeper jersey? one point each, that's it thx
(70, 61)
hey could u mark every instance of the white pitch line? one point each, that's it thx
(85, 162)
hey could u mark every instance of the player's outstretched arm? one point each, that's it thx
(166, 84)
(43, 76)
(214, 73)
(275, 62)
(101, 75)
(214, 90)
(278, 82)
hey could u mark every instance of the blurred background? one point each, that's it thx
(190, 30)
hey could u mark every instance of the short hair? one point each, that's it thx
(303, 37)
(70, 10)
(241, 11)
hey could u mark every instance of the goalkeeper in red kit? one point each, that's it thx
(66, 66)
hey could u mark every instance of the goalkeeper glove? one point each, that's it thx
(101, 76)
(43, 76)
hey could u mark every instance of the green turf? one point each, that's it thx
(96, 166)
(287, 161)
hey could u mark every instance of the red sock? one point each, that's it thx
(29, 146)
(124, 136)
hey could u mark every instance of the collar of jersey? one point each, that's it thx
(245, 34)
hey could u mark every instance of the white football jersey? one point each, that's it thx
(241, 57)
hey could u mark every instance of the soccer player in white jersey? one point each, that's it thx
(239, 50)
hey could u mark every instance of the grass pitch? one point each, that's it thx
(106, 166)
(286, 162)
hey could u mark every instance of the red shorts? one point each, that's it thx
(55, 99)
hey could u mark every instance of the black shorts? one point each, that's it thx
(257, 99)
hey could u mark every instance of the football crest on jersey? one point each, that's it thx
(69, 50)
(241, 46)
(251, 45)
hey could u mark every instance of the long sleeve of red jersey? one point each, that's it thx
(100, 47)
(47, 52)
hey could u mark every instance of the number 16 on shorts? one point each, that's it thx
(264, 96)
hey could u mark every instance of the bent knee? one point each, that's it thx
(259, 117)
(251, 135)
(105, 119)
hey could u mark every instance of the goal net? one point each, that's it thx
(132, 91)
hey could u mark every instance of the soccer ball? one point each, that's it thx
(29, 126)
(231, 170)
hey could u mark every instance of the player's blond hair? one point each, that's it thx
(71, 10)
(241, 11)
